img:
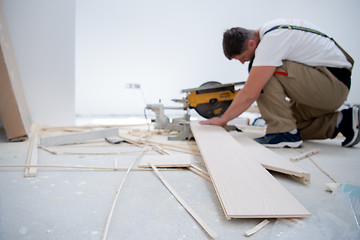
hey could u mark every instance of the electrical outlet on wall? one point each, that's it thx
(132, 85)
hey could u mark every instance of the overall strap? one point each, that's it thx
(292, 27)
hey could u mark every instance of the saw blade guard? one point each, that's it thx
(211, 99)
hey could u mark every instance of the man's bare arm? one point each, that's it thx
(257, 79)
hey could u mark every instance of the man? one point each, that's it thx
(299, 78)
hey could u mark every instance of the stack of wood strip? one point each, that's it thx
(244, 187)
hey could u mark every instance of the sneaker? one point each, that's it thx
(279, 140)
(349, 126)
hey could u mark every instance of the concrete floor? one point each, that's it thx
(74, 203)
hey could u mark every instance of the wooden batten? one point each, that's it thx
(201, 222)
(166, 161)
(32, 158)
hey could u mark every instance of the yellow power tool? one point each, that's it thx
(211, 98)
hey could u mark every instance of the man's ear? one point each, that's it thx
(251, 44)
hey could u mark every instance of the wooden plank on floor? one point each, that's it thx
(32, 158)
(270, 160)
(111, 210)
(201, 222)
(175, 160)
(73, 138)
(245, 188)
(305, 155)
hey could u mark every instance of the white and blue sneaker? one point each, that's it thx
(280, 140)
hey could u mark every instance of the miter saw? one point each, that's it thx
(211, 99)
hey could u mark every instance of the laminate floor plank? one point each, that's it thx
(245, 188)
(270, 160)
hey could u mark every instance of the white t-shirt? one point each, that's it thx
(298, 46)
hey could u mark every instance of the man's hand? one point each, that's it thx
(214, 121)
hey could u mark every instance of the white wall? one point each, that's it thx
(166, 46)
(43, 38)
(163, 45)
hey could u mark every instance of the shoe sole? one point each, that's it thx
(285, 144)
(355, 126)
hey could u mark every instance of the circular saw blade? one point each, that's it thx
(213, 108)
(210, 110)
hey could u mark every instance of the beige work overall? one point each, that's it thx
(302, 97)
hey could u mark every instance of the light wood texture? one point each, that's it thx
(14, 110)
(159, 149)
(32, 158)
(79, 137)
(88, 167)
(62, 152)
(165, 161)
(174, 147)
(141, 142)
(199, 172)
(111, 210)
(131, 141)
(305, 155)
(257, 228)
(245, 189)
(270, 160)
(202, 223)
(180, 147)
